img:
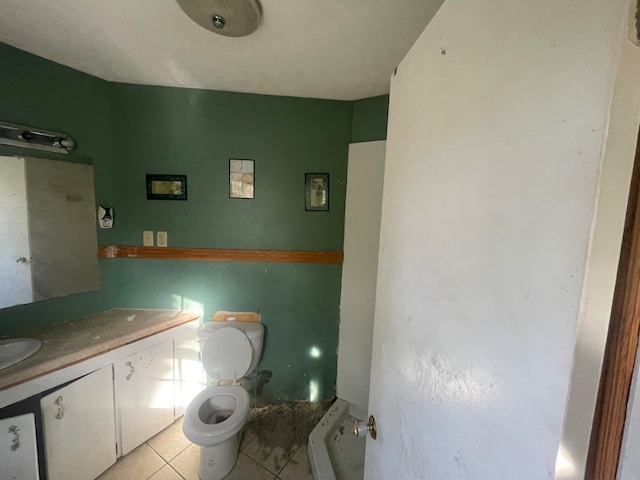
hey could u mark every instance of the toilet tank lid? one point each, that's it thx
(252, 330)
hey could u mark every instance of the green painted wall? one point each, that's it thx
(370, 119)
(128, 131)
(34, 91)
(298, 303)
(195, 132)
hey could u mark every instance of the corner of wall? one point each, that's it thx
(369, 119)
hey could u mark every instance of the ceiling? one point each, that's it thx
(337, 49)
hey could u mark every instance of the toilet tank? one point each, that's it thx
(253, 330)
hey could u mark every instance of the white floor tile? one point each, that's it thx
(247, 436)
(186, 464)
(298, 467)
(170, 442)
(247, 469)
(137, 465)
(272, 458)
(166, 473)
(256, 461)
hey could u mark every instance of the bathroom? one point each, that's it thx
(286, 136)
(505, 347)
(129, 131)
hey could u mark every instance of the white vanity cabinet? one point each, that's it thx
(116, 378)
(18, 453)
(79, 427)
(144, 392)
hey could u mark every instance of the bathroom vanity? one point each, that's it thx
(99, 387)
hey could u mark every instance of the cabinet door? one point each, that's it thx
(144, 394)
(79, 427)
(18, 454)
(189, 375)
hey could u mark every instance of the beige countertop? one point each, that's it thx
(65, 344)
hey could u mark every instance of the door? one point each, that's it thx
(487, 216)
(79, 427)
(62, 228)
(18, 454)
(15, 265)
(144, 394)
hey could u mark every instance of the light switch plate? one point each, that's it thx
(147, 238)
(162, 239)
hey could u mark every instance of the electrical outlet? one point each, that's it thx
(162, 239)
(147, 238)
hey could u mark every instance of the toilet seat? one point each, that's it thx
(227, 354)
(202, 433)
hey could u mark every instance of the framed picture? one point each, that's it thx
(166, 187)
(241, 178)
(316, 188)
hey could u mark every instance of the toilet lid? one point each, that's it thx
(227, 352)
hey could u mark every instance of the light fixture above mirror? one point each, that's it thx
(36, 138)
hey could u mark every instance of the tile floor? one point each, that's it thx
(170, 456)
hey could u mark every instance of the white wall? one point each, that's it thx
(359, 270)
(498, 180)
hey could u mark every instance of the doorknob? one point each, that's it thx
(360, 429)
(21, 260)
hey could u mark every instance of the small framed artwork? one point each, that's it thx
(166, 187)
(241, 178)
(316, 188)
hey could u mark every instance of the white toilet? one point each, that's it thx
(215, 417)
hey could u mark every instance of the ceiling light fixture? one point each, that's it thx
(232, 18)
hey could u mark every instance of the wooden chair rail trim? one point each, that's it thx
(218, 255)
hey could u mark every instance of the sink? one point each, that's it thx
(14, 350)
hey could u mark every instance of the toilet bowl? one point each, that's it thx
(215, 417)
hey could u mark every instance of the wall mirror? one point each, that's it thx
(48, 237)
